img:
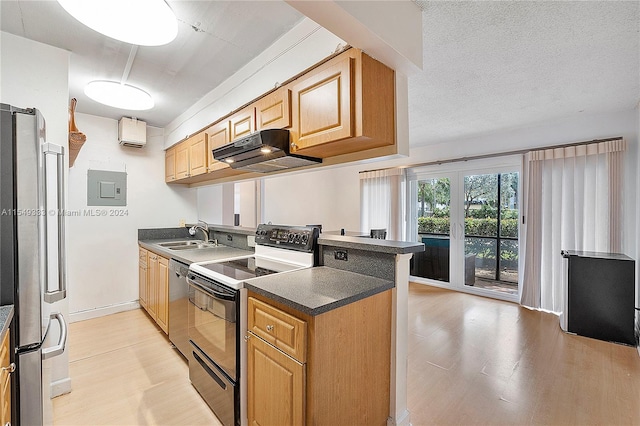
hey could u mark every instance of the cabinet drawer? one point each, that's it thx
(284, 331)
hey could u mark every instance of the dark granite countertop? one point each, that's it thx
(6, 315)
(317, 290)
(191, 256)
(370, 244)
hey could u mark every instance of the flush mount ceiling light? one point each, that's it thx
(141, 22)
(119, 95)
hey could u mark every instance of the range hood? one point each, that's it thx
(263, 152)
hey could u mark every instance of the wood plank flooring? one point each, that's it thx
(125, 372)
(472, 360)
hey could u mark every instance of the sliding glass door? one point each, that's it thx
(468, 221)
(432, 195)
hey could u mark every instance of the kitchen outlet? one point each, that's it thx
(229, 237)
(181, 223)
(340, 254)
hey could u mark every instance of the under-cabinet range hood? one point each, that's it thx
(263, 152)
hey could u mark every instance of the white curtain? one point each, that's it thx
(573, 202)
(382, 202)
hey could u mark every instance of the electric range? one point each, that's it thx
(217, 312)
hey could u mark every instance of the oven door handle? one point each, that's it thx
(211, 292)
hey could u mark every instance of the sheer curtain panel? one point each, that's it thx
(382, 202)
(573, 202)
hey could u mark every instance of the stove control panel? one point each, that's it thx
(301, 238)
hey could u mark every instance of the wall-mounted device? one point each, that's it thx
(132, 132)
(106, 188)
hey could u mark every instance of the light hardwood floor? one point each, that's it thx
(472, 360)
(124, 372)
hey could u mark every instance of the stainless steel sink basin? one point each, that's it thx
(187, 245)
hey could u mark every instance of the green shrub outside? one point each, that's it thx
(473, 227)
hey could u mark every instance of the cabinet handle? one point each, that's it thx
(294, 146)
(10, 368)
(247, 337)
(269, 328)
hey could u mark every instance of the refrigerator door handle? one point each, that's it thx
(52, 296)
(62, 341)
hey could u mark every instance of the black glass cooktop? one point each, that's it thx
(249, 267)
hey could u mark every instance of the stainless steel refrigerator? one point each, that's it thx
(32, 256)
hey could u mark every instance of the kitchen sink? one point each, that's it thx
(187, 245)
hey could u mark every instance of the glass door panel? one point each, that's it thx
(491, 231)
(433, 204)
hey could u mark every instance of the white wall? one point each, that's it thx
(210, 201)
(36, 75)
(103, 251)
(330, 198)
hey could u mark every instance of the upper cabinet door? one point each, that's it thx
(322, 104)
(219, 135)
(274, 110)
(198, 154)
(182, 160)
(243, 123)
(170, 165)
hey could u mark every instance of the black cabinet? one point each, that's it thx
(601, 296)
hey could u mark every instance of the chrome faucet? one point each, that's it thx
(203, 226)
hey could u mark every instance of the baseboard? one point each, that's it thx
(60, 387)
(404, 419)
(102, 311)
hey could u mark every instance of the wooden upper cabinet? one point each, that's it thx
(345, 105)
(170, 165)
(182, 160)
(198, 159)
(219, 135)
(323, 106)
(274, 110)
(243, 123)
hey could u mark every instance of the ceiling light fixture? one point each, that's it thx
(119, 95)
(141, 22)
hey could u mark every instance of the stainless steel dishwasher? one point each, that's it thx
(178, 306)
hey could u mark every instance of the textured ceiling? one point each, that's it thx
(490, 66)
(215, 39)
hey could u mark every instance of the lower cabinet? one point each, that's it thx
(328, 369)
(6, 368)
(153, 285)
(271, 369)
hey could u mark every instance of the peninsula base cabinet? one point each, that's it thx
(329, 369)
(153, 289)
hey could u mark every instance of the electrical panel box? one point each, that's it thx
(132, 132)
(106, 188)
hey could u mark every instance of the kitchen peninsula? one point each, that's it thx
(334, 320)
(314, 336)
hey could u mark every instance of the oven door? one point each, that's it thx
(212, 322)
